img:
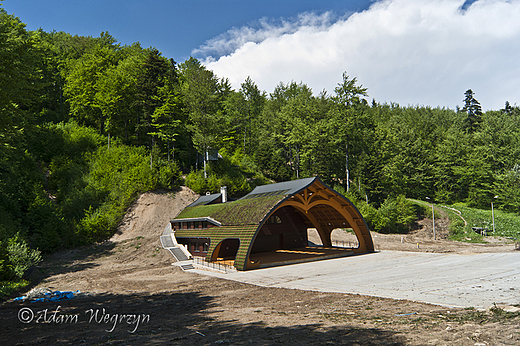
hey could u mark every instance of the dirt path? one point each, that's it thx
(132, 275)
(459, 213)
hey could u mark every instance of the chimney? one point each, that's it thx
(223, 191)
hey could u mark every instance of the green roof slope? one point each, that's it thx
(249, 211)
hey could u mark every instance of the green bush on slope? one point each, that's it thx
(67, 188)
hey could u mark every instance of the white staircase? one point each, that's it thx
(169, 242)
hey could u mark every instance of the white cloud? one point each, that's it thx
(234, 38)
(425, 52)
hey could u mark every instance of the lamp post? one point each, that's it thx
(433, 218)
(493, 214)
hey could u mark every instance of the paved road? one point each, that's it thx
(458, 280)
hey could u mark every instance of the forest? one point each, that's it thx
(86, 124)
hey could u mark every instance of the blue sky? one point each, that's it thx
(175, 27)
(412, 52)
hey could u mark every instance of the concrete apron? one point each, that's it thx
(454, 280)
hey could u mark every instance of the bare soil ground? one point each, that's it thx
(420, 239)
(132, 295)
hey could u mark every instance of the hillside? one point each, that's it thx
(132, 274)
(88, 123)
(134, 260)
(131, 259)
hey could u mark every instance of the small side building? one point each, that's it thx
(272, 219)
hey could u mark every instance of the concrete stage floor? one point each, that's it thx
(459, 280)
(292, 256)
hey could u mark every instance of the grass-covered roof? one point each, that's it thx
(248, 211)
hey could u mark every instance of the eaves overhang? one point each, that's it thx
(204, 218)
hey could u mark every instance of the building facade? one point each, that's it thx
(272, 218)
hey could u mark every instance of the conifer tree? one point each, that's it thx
(474, 110)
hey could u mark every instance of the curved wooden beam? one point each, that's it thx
(324, 233)
(320, 197)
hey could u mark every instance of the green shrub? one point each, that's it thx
(195, 181)
(21, 257)
(228, 172)
(16, 257)
(456, 227)
(239, 185)
(99, 224)
(213, 183)
(395, 215)
(118, 175)
(169, 175)
(370, 214)
(9, 287)
(122, 171)
(61, 186)
(341, 190)
(48, 231)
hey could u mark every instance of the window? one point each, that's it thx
(274, 219)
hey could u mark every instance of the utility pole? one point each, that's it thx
(433, 218)
(493, 214)
(347, 172)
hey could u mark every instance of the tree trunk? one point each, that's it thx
(297, 162)
(245, 136)
(151, 151)
(205, 161)
(347, 172)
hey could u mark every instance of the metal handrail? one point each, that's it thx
(215, 266)
(342, 244)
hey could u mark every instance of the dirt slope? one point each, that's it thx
(151, 212)
(144, 223)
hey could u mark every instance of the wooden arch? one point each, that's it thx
(327, 210)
